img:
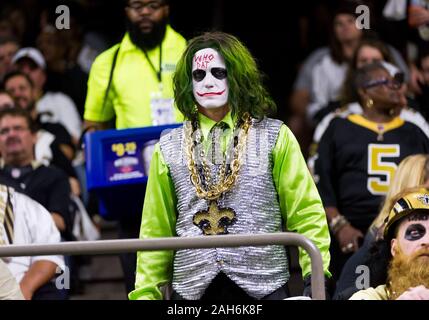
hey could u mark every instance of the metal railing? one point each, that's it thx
(174, 243)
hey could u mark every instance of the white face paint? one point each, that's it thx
(209, 79)
(412, 235)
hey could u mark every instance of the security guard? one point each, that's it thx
(133, 79)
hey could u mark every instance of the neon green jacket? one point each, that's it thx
(299, 201)
(134, 82)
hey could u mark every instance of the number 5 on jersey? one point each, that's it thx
(376, 166)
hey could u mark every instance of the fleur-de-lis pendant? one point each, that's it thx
(214, 220)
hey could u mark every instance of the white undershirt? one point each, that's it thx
(32, 224)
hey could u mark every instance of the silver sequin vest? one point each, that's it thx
(257, 270)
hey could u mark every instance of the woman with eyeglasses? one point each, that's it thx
(357, 157)
(368, 51)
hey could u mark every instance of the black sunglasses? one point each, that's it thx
(394, 83)
(218, 73)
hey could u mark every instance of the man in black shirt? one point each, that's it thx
(47, 185)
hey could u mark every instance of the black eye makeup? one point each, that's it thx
(415, 232)
(218, 73)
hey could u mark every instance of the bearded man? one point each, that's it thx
(133, 79)
(132, 84)
(406, 234)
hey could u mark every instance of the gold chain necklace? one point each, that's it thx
(215, 220)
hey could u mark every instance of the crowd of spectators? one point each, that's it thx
(356, 96)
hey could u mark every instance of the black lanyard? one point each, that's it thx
(158, 73)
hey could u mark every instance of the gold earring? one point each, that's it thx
(369, 103)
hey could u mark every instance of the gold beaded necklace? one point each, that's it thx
(215, 220)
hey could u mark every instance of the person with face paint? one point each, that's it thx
(229, 170)
(413, 171)
(402, 257)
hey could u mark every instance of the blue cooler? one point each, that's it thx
(117, 165)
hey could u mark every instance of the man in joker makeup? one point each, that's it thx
(228, 170)
(406, 262)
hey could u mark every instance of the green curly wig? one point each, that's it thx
(246, 90)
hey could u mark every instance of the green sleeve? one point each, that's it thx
(97, 85)
(154, 268)
(299, 199)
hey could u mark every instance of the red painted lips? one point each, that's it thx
(210, 94)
